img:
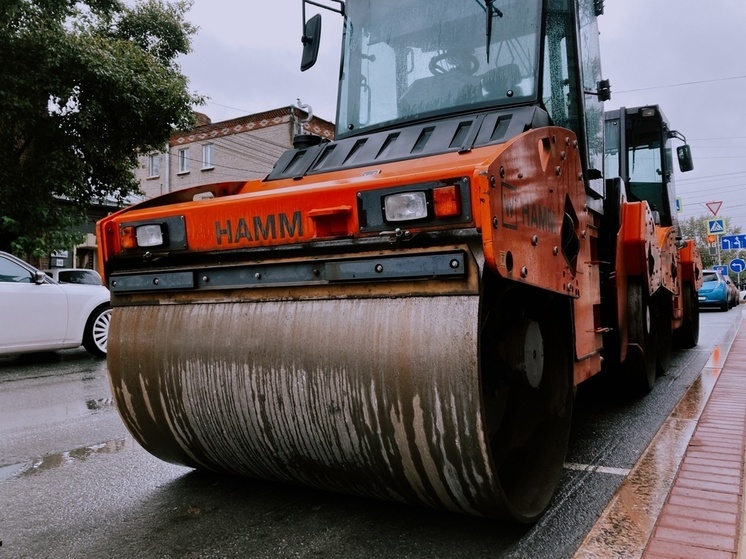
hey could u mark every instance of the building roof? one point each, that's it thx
(266, 119)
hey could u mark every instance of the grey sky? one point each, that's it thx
(687, 56)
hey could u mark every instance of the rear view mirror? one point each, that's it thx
(684, 153)
(311, 40)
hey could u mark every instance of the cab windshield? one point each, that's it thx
(409, 59)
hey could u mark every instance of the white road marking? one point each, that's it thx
(598, 469)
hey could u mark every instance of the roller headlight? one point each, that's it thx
(149, 235)
(166, 234)
(405, 206)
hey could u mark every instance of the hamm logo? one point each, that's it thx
(255, 229)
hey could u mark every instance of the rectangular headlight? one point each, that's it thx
(149, 235)
(405, 206)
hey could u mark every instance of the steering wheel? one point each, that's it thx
(453, 62)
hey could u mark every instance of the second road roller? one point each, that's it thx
(405, 312)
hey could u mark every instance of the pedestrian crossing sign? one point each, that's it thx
(716, 226)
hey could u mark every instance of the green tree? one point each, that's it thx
(696, 228)
(85, 87)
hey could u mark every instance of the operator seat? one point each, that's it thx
(501, 82)
(442, 90)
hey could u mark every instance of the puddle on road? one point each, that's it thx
(53, 461)
(53, 412)
(693, 402)
(7, 472)
(100, 404)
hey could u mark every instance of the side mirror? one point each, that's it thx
(311, 39)
(684, 153)
(604, 90)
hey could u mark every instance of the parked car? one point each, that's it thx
(714, 291)
(40, 314)
(733, 294)
(75, 275)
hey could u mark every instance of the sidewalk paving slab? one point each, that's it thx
(693, 508)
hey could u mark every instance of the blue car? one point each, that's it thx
(714, 291)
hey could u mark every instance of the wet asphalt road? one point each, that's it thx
(73, 483)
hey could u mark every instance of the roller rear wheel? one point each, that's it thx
(641, 365)
(664, 319)
(528, 394)
(688, 334)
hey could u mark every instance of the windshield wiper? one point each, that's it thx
(492, 11)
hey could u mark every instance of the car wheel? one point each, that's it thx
(97, 331)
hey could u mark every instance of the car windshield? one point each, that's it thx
(80, 276)
(404, 59)
(709, 276)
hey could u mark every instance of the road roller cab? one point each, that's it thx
(403, 312)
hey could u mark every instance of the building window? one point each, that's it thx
(208, 150)
(154, 166)
(184, 160)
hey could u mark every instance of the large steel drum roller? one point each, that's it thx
(429, 400)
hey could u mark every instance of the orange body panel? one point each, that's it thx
(691, 264)
(689, 267)
(264, 214)
(533, 184)
(619, 284)
(669, 258)
(639, 245)
(670, 271)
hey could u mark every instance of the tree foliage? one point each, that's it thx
(696, 228)
(85, 87)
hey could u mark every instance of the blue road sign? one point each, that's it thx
(738, 265)
(732, 242)
(723, 269)
(716, 226)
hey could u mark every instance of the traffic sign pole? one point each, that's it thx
(716, 227)
(738, 265)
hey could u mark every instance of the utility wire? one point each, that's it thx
(680, 84)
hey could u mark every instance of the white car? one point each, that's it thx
(39, 314)
(75, 275)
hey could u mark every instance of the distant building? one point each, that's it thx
(239, 149)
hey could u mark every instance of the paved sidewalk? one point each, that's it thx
(703, 516)
(684, 499)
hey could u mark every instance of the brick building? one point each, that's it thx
(239, 149)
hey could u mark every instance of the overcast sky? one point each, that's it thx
(687, 56)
